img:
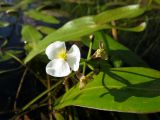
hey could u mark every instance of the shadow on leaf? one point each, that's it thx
(147, 89)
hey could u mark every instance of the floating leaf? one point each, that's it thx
(130, 89)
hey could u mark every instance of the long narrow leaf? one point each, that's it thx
(84, 26)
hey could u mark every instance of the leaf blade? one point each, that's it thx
(126, 55)
(130, 89)
(84, 26)
(129, 11)
(38, 15)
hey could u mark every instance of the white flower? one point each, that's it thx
(62, 62)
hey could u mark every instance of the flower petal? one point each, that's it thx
(53, 49)
(73, 57)
(58, 68)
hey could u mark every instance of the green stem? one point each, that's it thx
(66, 83)
(50, 99)
(19, 89)
(31, 109)
(90, 66)
(88, 56)
(84, 68)
(41, 95)
(90, 49)
(15, 57)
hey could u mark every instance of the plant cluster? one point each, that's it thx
(72, 53)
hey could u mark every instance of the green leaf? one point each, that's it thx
(70, 31)
(116, 61)
(4, 56)
(132, 89)
(58, 116)
(118, 53)
(38, 15)
(45, 30)
(129, 11)
(157, 1)
(30, 35)
(84, 26)
(98, 37)
(3, 24)
(4, 43)
(138, 28)
(118, 50)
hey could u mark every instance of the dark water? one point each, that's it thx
(9, 81)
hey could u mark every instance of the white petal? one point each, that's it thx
(53, 49)
(73, 57)
(58, 68)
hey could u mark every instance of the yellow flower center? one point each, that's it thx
(62, 54)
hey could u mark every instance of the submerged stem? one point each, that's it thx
(19, 88)
(41, 95)
(50, 99)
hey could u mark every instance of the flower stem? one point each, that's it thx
(19, 88)
(89, 55)
(114, 31)
(90, 49)
(66, 84)
(50, 99)
(15, 57)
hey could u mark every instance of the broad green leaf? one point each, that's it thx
(45, 30)
(84, 26)
(119, 13)
(38, 15)
(70, 31)
(132, 89)
(118, 50)
(118, 53)
(98, 37)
